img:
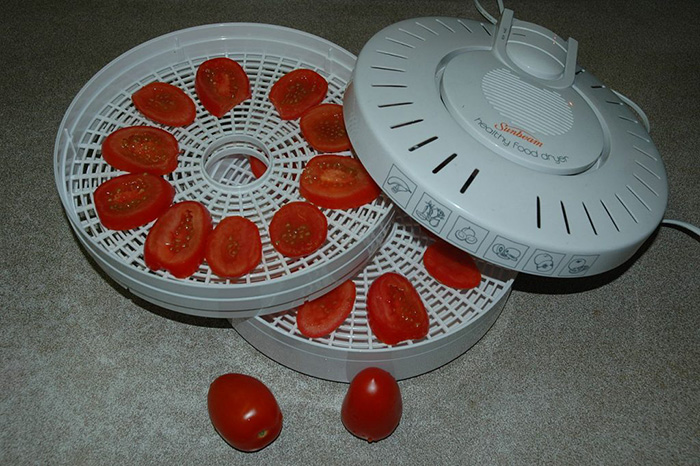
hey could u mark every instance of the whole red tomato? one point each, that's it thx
(244, 411)
(372, 407)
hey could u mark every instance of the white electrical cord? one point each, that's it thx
(486, 14)
(684, 226)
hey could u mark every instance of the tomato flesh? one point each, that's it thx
(176, 242)
(451, 266)
(165, 104)
(321, 316)
(234, 247)
(298, 229)
(372, 406)
(395, 311)
(244, 411)
(298, 91)
(337, 182)
(132, 200)
(324, 129)
(141, 149)
(221, 84)
(257, 167)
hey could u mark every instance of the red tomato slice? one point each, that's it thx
(234, 247)
(324, 129)
(141, 149)
(296, 92)
(129, 201)
(257, 167)
(165, 104)
(395, 311)
(221, 84)
(337, 182)
(176, 241)
(451, 266)
(372, 406)
(298, 229)
(323, 315)
(244, 411)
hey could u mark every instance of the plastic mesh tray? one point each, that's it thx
(458, 318)
(214, 168)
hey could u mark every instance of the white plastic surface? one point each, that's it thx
(458, 319)
(213, 168)
(559, 182)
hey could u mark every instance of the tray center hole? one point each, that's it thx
(227, 161)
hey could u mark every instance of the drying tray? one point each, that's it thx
(214, 169)
(458, 318)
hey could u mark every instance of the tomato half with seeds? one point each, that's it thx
(323, 128)
(296, 92)
(297, 229)
(244, 411)
(221, 84)
(177, 240)
(451, 266)
(372, 406)
(395, 311)
(132, 200)
(234, 247)
(337, 182)
(321, 316)
(141, 149)
(165, 104)
(257, 166)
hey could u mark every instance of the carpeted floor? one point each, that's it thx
(604, 371)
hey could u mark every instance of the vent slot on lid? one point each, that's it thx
(445, 26)
(469, 181)
(422, 143)
(398, 42)
(638, 198)
(626, 208)
(444, 163)
(412, 34)
(387, 68)
(590, 220)
(609, 215)
(394, 104)
(566, 219)
(464, 25)
(392, 54)
(426, 28)
(408, 123)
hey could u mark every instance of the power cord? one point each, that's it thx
(684, 226)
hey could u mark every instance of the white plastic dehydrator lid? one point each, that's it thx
(213, 168)
(495, 140)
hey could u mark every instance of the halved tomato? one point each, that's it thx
(451, 266)
(395, 311)
(221, 84)
(319, 317)
(141, 149)
(298, 229)
(257, 167)
(165, 104)
(234, 247)
(131, 200)
(337, 182)
(176, 241)
(296, 92)
(324, 129)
